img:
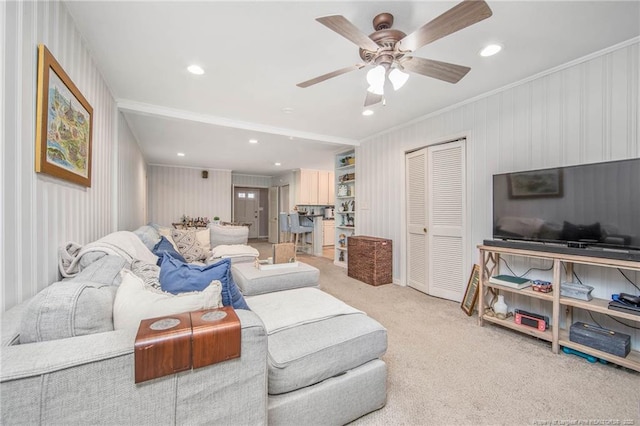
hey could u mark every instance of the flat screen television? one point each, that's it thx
(590, 205)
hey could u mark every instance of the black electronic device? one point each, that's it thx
(623, 307)
(629, 299)
(592, 207)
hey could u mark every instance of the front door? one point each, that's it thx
(246, 208)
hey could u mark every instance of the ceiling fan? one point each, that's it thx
(388, 49)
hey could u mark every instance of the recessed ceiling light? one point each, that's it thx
(277, 164)
(253, 140)
(287, 110)
(195, 69)
(490, 50)
(181, 154)
(367, 112)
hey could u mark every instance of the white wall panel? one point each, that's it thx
(176, 191)
(132, 180)
(251, 181)
(586, 112)
(41, 213)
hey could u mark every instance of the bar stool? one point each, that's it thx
(297, 229)
(285, 226)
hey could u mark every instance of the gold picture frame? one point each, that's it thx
(471, 294)
(64, 124)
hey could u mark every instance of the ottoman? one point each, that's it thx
(253, 281)
(324, 350)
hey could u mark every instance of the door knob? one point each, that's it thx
(425, 230)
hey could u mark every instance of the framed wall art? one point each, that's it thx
(535, 184)
(471, 294)
(64, 124)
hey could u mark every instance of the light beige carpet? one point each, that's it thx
(443, 369)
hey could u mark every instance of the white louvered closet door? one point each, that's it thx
(435, 231)
(416, 180)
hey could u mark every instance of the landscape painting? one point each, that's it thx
(63, 141)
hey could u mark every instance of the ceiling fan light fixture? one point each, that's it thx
(376, 90)
(398, 78)
(375, 78)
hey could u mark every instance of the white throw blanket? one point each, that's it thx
(122, 243)
(286, 309)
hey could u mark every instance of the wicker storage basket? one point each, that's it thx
(370, 260)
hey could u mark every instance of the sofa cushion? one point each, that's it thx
(228, 234)
(148, 235)
(252, 280)
(134, 301)
(177, 277)
(67, 309)
(147, 272)
(188, 245)
(105, 270)
(310, 353)
(165, 246)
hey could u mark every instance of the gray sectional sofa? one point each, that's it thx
(322, 371)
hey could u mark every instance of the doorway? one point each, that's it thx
(246, 208)
(435, 186)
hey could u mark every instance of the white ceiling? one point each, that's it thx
(254, 53)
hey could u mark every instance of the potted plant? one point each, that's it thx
(216, 220)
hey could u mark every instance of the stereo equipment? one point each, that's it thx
(529, 319)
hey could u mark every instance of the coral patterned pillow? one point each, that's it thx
(188, 245)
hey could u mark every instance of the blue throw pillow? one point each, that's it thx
(180, 277)
(165, 246)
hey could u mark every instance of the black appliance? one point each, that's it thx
(594, 206)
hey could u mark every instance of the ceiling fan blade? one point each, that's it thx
(346, 29)
(445, 71)
(330, 75)
(372, 99)
(458, 17)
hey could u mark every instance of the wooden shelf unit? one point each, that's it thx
(490, 258)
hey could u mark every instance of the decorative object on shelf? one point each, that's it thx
(347, 161)
(64, 123)
(500, 308)
(342, 240)
(343, 190)
(350, 221)
(341, 257)
(471, 294)
(347, 177)
(541, 286)
(189, 222)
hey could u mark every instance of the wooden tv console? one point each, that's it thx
(490, 258)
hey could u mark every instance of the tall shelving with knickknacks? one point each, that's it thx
(345, 195)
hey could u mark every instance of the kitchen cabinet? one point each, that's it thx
(328, 233)
(314, 187)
